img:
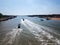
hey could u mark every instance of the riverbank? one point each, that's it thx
(47, 17)
(5, 17)
(54, 18)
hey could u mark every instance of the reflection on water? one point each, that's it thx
(33, 31)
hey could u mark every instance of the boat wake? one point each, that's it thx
(42, 34)
(11, 36)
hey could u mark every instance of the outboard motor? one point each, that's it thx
(18, 25)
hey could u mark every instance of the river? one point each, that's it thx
(33, 31)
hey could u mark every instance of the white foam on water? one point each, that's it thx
(35, 28)
(10, 36)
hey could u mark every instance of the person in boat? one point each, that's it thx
(23, 19)
(18, 25)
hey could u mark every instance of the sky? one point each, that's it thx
(29, 7)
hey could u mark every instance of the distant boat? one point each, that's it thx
(47, 18)
(42, 20)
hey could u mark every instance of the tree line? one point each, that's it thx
(1, 15)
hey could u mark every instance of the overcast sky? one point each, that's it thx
(25, 7)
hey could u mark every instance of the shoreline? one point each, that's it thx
(47, 17)
(4, 18)
(54, 18)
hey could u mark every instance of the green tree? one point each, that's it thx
(1, 15)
